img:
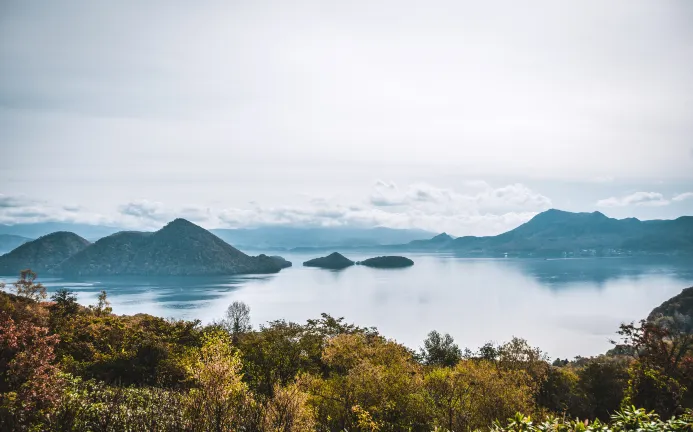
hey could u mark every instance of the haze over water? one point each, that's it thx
(566, 307)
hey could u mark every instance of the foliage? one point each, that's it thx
(26, 287)
(440, 350)
(474, 393)
(629, 419)
(65, 367)
(368, 379)
(237, 318)
(103, 307)
(661, 377)
(30, 385)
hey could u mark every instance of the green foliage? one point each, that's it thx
(64, 367)
(474, 393)
(440, 350)
(629, 419)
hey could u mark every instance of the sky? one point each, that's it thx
(460, 116)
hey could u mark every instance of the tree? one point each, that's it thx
(218, 401)
(662, 376)
(603, 380)
(65, 303)
(237, 318)
(440, 350)
(474, 393)
(30, 385)
(64, 306)
(103, 307)
(26, 287)
(370, 381)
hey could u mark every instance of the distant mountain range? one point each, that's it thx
(257, 239)
(10, 241)
(556, 233)
(279, 238)
(181, 248)
(36, 230)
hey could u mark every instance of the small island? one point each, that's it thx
(333, 261)
(387, 262)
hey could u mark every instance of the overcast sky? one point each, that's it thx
(467, 117)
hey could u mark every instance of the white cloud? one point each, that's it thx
(653, 199)
(683, 196)
(22, 209)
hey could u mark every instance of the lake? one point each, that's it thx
(567, 307)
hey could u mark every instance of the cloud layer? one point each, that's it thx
(480, 210)
(649, 199)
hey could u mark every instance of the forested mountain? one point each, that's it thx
(181, 248)
(43, 254)
(560, 233)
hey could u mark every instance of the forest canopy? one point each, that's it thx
(66, 367)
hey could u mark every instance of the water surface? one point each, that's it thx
(566, 307)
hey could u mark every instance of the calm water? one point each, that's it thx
(567, 307)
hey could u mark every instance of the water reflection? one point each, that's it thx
(567, 307)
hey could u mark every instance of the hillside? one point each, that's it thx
(111, 255)
(181, 248)
(10, 241)
(678, 309)
(42, 255)
(556, 233)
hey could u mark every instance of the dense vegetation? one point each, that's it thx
(43, 254)
(65, 367)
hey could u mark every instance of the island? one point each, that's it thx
(387, 262)
(333, 261)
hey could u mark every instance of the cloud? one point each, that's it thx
(683, 196)
(653, 199)
(145, 209)
(22, 209)
(650, 199)
(514, 197)
(484, 210)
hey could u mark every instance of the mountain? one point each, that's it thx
(10, 241)
(42, 255)
(333, 261)
(181, 248)
(111, 255)
(35, 230)
(556, 233)
(278, 238)
(439, 242)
